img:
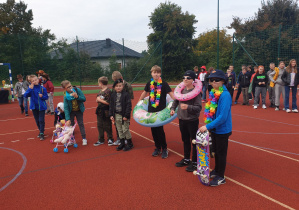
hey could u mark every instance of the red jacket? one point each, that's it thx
(49, 86)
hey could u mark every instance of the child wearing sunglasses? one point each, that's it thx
(219, 123)
(188, 113)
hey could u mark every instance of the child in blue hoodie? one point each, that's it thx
(38, 104)
(219, 124)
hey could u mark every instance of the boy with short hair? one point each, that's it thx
(244, 81)
(157, 132)
(120, 111)
(116, 75)
(38, 105)
(20, 89)
(74, 107)
(230, 82)
(102, 112)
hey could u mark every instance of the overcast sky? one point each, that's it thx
(128, 19)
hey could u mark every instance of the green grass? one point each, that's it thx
(97, 90)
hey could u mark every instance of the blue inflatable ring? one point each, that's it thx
(153, 119)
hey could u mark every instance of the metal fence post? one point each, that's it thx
(279, 36)
(234, 49)
(79, 61)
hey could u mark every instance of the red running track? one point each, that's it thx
(261, 171)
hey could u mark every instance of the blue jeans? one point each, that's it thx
(21, 101)
(287, 95)
(39, 117)
(204, 92)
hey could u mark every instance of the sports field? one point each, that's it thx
(262, 169)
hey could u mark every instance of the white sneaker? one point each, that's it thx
(255, 107)
(283, 109)
(116, 143)
(110, 142)
(84, 142)
(264, 106)
(288, 110)
(295, 110)
(276, 109)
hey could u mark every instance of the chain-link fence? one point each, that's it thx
(78, 60)
(263, 47)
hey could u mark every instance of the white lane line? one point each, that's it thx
(30, 138)
(264, 150)
(1, 142)
(3, 134)
(230, 179)
(93, 127)
(15, 141)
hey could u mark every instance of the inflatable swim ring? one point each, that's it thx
(153, 119)
(185, 97)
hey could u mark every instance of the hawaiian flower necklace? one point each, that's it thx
(155, 103)
(212, 104)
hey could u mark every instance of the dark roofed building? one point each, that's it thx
(101, 50)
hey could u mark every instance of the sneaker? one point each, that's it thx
(110, 142)
(213, 174)
(116, 143)
(26, 114)
(41, 137)
(255, 107)
(217, 181)
(276, 109)
(38, 136)
(295, 110)
(288, 110)
(182, 163)
(164, 153)
(264, 106)
(244, 104)
(156, 152)
(52, 113)
(98, 143)
(283, 109)
(235, 102)
(203, 101)
(84, 142)
(192, 167)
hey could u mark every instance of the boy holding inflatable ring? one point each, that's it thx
(188, 113)
(218, 118)
(158, 90)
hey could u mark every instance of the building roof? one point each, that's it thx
(103, 49)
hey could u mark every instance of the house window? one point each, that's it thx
(119, 66)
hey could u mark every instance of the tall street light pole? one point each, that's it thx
(218, 36)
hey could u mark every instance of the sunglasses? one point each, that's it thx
(68, 87)
(215, 80)
(188, 78)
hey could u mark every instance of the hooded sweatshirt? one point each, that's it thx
(278, 80)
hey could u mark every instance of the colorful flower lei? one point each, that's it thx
(155, 103)
(212, 104)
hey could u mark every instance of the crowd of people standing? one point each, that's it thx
(254, 83)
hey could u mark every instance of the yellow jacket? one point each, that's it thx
(272, 84)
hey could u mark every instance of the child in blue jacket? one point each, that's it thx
(38, 104)
(220, 125)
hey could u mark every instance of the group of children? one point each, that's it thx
(115, 106)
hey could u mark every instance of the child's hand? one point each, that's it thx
(75, 94)
(184, 106)
(68, 123)
(40, 95)
(112, 119)
(172, 112)
(203, 129)
(16, 95)
(125, 119)
(31, 86)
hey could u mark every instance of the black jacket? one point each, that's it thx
(126, 104)
(244, 80)
(286, 78)
(260, 78)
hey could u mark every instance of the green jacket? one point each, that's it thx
(68, 104)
